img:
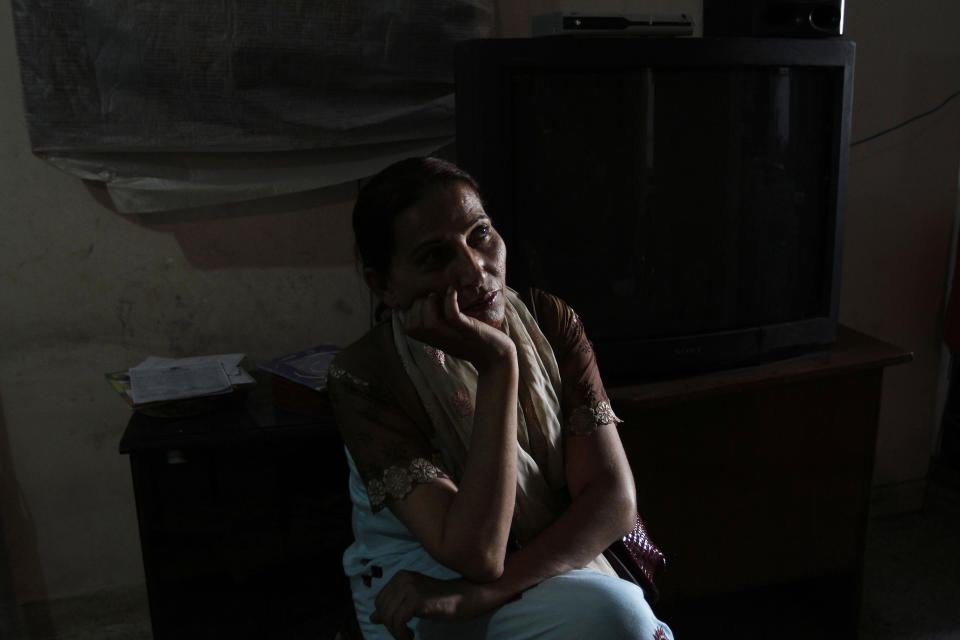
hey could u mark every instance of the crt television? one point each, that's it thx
(684, 195)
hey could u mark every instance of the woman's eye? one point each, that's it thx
(431, 258)
(483, 230)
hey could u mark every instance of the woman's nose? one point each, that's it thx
(468, 268)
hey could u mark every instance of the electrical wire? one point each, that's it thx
(907, 121)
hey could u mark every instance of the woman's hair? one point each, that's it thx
(390, 192)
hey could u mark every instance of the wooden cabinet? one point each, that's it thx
(758, 479)
(244, 516)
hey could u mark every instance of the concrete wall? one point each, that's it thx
(900, 217)
(84, 291)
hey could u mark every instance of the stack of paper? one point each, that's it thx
(164, 379)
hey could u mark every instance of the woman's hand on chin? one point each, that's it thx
(409, 594)
(440, 323)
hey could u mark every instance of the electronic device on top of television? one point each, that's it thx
(686, 196)
(558, 23)
(778, 18)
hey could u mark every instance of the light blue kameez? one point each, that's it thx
(579, 604)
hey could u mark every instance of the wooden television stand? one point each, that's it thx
(756, 482)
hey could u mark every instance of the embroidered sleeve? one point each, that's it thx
(584, 400)
(391, 450)
(585, 419)
(397, 482)
(335, 372)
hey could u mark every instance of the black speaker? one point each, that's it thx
(777, 18)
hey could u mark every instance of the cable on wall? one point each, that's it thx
(907, 121)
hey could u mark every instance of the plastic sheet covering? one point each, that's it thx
(188, 102)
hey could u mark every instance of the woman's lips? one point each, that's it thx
(481, 304)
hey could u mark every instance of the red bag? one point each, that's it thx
(638, 559)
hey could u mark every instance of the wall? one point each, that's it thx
(85, 291)
(901, 206)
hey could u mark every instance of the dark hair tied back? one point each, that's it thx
(390, 192)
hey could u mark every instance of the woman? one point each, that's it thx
(487, 475)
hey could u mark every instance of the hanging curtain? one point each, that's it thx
(188, 102)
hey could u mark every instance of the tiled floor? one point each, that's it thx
(912, 572)
(120, 614)
(911, 589)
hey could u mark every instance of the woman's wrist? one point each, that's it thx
(484, 597)
(501, 358)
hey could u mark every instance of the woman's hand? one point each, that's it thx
(409, 594)
(440, 323)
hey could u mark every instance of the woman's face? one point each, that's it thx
(447, 240)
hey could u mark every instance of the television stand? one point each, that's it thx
(756, 482)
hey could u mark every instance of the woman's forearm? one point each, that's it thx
(466, 527)
(476, 527)
(586, 528)
(603, 513)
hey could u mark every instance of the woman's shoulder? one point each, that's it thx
(367, 359)
(370, 371)
(585, 401)
(554, 316)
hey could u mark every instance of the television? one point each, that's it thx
(684, 195)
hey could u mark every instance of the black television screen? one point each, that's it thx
(685, 196)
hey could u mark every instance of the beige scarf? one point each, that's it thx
(447, 387)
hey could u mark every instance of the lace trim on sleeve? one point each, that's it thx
(335, 372)
(584, 420)
(397, 482)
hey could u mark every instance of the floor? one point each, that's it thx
(911, 587)
(912, 571)
(109, 615)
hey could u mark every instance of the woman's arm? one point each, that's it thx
(603, 510)
(467, 528)
(599, 479)
(603, 506)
